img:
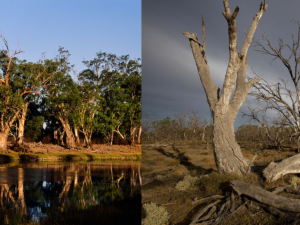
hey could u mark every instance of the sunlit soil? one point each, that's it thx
(56, 152)
(165, 164)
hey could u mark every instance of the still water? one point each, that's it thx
(32, 190)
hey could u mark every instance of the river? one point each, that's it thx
(31, 191)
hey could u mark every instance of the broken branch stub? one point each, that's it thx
(276, 170)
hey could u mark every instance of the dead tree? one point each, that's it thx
(9, 109)
(227, 152)
(283, 97)
(275, 132)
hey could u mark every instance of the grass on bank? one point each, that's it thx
(67, 156)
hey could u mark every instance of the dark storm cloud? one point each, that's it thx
(170, 79)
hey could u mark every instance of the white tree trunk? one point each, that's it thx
(140, 134)
(3, 141)
(20, 139)
(276, 170)
(77, 139)
(228, 155)
(70, 139)
(225, 106)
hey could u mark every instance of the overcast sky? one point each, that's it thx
(171, 83)
(82, 27)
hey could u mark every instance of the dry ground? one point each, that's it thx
(164, 165)
(103, 148)
(39, 151)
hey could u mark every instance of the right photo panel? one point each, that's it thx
(220, 112)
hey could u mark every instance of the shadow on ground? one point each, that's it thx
(184, 160)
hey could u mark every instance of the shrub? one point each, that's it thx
(217, 183)
(293, 180)
(187, 182)
(154, 215)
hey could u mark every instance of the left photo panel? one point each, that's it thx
(70, 112)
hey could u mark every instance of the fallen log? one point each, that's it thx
(212, 210)
(270, 209)
(203, 211)
(213, 197)
(276, 170)
(266, 197)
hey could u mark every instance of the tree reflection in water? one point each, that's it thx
(33, 190)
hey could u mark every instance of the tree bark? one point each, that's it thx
(140, 134)
(77, 139)
(87, 139)
(266, 197)
(20, 139)
(70, 140)
(3, 141)
(276, 170)
(228, 155)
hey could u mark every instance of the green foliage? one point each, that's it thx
(106, 99)
(154, 215)
(33, 128)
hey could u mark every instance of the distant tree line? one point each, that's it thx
(191, 127)
(182, 127)
(104, 101)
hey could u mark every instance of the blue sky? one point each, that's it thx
(82, 27)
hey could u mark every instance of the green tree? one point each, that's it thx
(62, 96)
(10, 101)
(132, 86)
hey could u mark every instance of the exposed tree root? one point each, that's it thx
(254, 198)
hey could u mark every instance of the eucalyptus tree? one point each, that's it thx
(109, 89)
(31, 80)
(132, 86)
(11, 102)
(62, 95)
(113, 113)
(227, 152)
(84, 118)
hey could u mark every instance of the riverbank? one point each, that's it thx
(50, 152)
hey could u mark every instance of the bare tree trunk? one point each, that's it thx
(61, 134)
(140, 134)
(112, 138)
(87, 139)
(224, 107)
(20, 139)
(276, 170)
(132, 134)
(77, 139)
(3, 141)
(227, 152)
(70, 140)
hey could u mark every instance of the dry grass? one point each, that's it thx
(51, 152)
(182, 159)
